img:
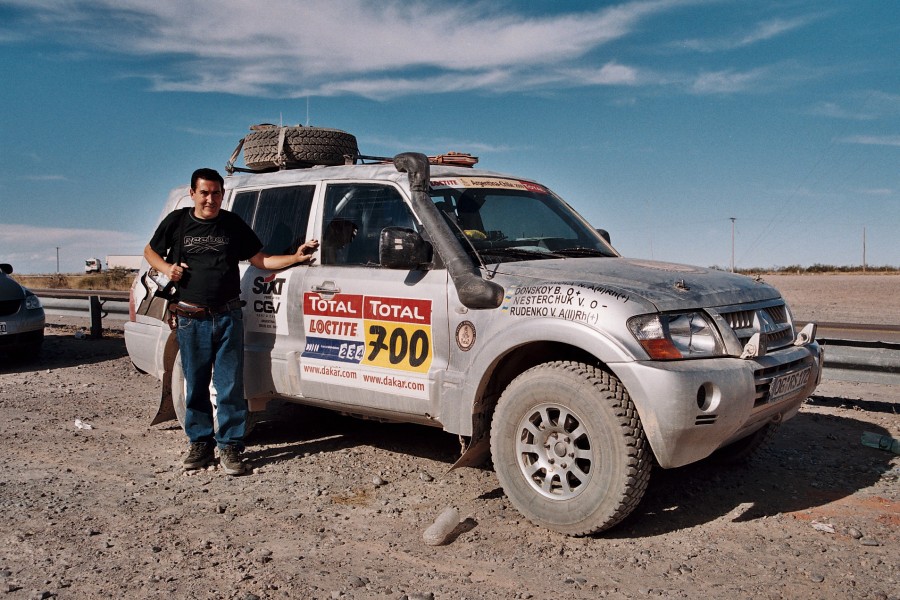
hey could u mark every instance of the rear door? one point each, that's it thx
(375, 337)
(273, 325)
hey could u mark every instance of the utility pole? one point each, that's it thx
(732, 243)
(57, 260)
(864, 249)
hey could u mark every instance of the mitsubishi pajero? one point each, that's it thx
(482, 304)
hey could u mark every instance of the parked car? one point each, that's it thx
(482, 304)
(21, 318)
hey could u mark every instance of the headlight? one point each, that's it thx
(674, 336)
(32, 302)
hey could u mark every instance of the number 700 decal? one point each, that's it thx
(398, 346)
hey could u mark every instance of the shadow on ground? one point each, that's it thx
(815, 459)
(62, 349)
(289, 430)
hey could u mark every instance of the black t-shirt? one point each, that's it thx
(212, 249)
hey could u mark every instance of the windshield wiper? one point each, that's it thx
(580, 251)
(514, 252)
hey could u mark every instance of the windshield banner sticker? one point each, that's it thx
(369, 331)
(498, 183)
(557, 301)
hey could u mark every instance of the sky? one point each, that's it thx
(766, 133)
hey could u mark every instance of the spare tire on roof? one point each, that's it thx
(270, 146)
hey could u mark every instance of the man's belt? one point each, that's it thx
(195, 311)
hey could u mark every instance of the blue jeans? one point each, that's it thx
(212, 348)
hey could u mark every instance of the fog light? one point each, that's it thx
(707, 397)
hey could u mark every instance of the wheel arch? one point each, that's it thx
(568, 341)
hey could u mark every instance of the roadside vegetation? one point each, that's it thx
(816, 269)
(114, 279)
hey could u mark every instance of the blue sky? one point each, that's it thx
(659, 121)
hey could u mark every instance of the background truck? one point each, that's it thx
(131, 262)
(92, 265)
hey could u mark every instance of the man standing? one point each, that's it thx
(205, 245)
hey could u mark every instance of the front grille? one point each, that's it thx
(9, 307)
(770, 320)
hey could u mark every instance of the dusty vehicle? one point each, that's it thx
(21, 318)
(484, 305)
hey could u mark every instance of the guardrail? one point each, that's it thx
(94, 304)
(855, 359)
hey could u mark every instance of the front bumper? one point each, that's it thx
(23, 329)
(691, 408)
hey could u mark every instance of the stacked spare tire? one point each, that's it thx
(295, 147)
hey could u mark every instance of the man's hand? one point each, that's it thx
(305, 251)
(176, 272)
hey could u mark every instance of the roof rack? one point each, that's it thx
(457, 159)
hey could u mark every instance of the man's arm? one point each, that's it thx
(273, 262)
(173, 272)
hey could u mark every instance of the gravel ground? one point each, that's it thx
(337, 507)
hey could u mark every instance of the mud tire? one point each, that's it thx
(303, 147)
(569, 449)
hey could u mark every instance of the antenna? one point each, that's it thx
(307, 111)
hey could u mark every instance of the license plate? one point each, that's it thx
(787, 384)
(2, 328)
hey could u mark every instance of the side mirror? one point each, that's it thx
(604, 234)
(6, 268)
(402, 248)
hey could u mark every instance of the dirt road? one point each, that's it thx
(336, 507)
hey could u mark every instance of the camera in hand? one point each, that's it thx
(165, 286)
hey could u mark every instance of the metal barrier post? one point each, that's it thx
(96, 317)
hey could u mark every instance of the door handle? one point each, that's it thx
(326, 287)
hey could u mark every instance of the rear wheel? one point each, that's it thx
(569, 448)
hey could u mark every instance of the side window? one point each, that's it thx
(279, 216)
(354, 216)
(244, 206)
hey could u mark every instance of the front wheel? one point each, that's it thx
(569, 448)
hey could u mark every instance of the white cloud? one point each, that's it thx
(860, 106)
(375, 49)
(872, 140)
(728, 81)
(759, 33)
(46, 177)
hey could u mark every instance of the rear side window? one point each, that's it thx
(279, 216)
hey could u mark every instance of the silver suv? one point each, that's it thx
(482, 304)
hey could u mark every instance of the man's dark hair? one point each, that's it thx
(208, 175)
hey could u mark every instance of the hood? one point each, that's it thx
(10, 288)
(668, 286)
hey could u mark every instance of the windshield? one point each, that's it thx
(507, 220)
